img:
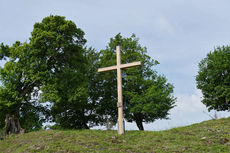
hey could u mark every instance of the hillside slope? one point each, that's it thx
(208, 136)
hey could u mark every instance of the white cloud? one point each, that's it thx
(189, 102)
(189, 110)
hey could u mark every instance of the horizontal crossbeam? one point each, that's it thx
(130, 65)
(122, 66)
(104, 69)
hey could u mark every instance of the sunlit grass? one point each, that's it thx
(208, 136)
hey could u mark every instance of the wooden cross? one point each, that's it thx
(118, 67)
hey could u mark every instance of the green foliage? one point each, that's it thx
(2, 134)
(2, 120)
(209, 136)
(31, 112)
(68, 71)
(147, 96)
(55, 66)
(214, 80)
(52, 62)
(18, 87)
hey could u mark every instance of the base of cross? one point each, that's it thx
(123, 127)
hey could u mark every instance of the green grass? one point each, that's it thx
(209, 136)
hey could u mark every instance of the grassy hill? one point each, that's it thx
(208, 136)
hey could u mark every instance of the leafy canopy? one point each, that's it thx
(50, 67)
(214, 80)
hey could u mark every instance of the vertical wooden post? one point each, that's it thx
(119, 67)
(119, 92)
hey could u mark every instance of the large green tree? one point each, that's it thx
(214, 79)
(72, 95)
(147, 96)
(19, 88)
(67, 87)
(49, 67)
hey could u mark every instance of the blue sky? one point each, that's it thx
(177, 33)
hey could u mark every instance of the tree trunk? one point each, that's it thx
(12, 124)
(138, 120)
(140, 125)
